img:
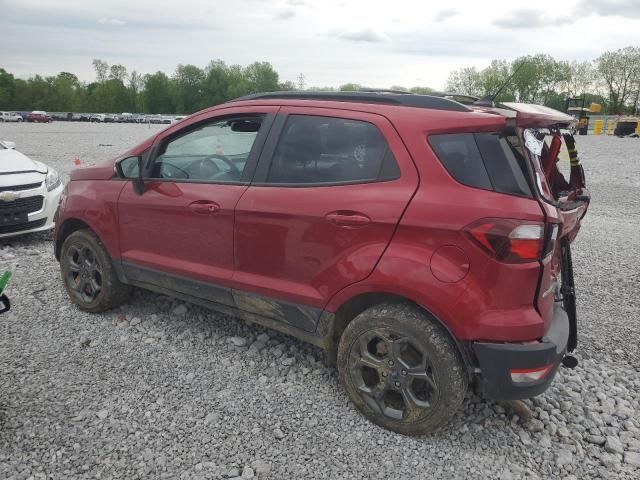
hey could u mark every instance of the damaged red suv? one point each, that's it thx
(422, 242)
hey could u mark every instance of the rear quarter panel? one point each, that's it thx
(493, 301)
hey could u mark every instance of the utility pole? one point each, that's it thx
(301, 82)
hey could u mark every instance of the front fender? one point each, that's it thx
(92, 203)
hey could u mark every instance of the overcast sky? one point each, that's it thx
(371, 42)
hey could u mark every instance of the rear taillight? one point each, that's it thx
(525, 375)
(509, 241)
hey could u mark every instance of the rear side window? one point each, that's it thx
(483, 160)
(314, 150)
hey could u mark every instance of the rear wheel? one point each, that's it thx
(401, 369)
(88, 274)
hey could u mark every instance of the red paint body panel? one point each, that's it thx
(96, 204)
(158, 230)
(287, 248)
(494, 301)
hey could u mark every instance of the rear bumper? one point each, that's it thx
(497, 360)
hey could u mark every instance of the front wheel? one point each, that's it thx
(401, 369)
(88, 274)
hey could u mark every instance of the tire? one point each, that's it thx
(88, 274)
(401, 369)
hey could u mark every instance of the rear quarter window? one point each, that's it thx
(483, 160)
(459, 154)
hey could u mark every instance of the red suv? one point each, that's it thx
(38, 116)
(424, 243)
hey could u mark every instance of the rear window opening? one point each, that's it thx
(491, 161)
(554, 155)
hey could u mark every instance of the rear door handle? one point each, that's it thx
(204, 206)
(348, 218)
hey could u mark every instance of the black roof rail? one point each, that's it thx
(459, 97)
(403, 99)
(383, 90)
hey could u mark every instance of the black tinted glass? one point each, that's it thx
(459, 154)
(326, 150)
(502, 165)
(484, 160)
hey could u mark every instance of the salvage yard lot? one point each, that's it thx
(164, 389)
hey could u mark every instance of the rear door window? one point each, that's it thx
(315, 150)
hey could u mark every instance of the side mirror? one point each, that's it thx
(131, 168)
(128, 167)
(138, 182)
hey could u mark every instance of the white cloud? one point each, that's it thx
(527, 18)
(285, 14)
(442, 15)
(111, 21)
(608, 8)
(363, 35)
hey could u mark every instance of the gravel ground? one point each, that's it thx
(164, 389)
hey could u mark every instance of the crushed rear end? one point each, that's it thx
(525, 369)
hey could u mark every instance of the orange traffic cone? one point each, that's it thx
(77, 161)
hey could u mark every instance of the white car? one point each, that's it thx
(10, 117)
(29, 193)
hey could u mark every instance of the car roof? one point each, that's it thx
(375, 97)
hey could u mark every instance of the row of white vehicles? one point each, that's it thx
(44, 117)
(134, 118)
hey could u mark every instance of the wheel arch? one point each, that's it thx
(69, 226)
(357, 304)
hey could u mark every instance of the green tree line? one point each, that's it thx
(612, 79)
(115, 90)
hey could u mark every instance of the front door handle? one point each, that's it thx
(348, 218)
(204, 206)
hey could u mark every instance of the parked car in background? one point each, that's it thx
(29, 193)
(177, 118)
(158, 119)
(97, 117)
(10, 117)
(39, 116)
(125, 117)
(424, 243)
(82, 117)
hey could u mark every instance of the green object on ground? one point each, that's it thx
(4, 279)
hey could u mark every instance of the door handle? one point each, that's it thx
(348, 218)
(204, 206)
